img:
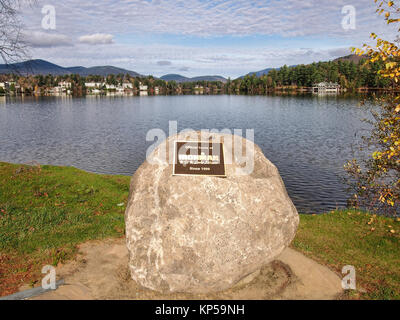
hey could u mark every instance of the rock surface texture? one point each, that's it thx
(201, 234)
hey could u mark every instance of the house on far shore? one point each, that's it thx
(7, 84)
(55, 90)
(325, 88)
(142, 90)
(10, 86)
(111, 87)
(94, 84)
(142, 87)
(127, 85)
(198, 89)
(120, 89)
(94, 87)
(65, 85)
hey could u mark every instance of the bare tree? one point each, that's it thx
(13, 47)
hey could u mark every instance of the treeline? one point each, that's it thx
(351, 76)
(43, 84)
(346, 73)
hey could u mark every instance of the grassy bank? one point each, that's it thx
(45, 211)
(368, 242)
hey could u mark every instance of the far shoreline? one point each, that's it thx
(360, 94)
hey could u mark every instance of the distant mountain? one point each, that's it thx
(208, 78)
(179, 78)
(262, 72)
(352, 57)
(43, 67)
(174, 77)
(105, 70)
(33, 67)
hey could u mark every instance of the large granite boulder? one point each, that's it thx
(203, 234)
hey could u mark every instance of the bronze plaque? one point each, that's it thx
(199, 158)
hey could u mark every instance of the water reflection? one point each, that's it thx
(308, 138)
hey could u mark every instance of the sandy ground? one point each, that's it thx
(100, 271)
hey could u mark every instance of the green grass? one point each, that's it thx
(359, 239)
(48, 207)
(45, 211)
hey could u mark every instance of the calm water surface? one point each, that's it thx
(307, 138)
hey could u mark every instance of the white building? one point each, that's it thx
(6, 85)
(198, 89)
(111, 87)
(56, 90)
(326, 87)
(142, 87)
(94, 84)
(127, 85)
(65, 85)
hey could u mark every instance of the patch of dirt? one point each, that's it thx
(101, 272)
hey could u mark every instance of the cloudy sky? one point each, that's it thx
(197, 37)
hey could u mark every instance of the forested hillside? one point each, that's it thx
(348, 74)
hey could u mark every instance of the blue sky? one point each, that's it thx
(198, 37)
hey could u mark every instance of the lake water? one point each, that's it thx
(307, 138)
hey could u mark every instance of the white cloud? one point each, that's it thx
(210, 18)
(184, 69)
(289, 32)
(38, 39)
(339, 52)
(97, 38)
(164, 63)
